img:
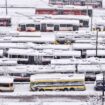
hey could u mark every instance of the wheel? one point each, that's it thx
(65, 89)
(41, 89)
(72, 89)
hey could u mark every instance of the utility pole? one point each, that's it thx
(92, 21)
(6, 7)
(103, 89)
(96, 42)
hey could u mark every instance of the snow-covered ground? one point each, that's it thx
(24, 90)
(45, 103)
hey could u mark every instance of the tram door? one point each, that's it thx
(23, 28)
(82, 2)
(43, 27)
(56, 27)
(31, 59)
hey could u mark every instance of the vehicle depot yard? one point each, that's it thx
(52, 52)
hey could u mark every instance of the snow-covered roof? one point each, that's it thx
(93, 52)
(67, 7)
(86, 61)
(51, 21)
(50, 46)
(67, 53)
(29, 34)
(28, 22)
(21, 51)
(28, 39)
(56, 69)
(43, 77)
(69, 61)
(5, 79)
(44, 52)
(13, 45)
(37, 69)
(5, 17)
(90, 68)
(77, 17)
(87, 46)
(7, 61)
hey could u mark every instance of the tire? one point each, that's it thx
(65, 89)
(41, 89)
(72, 89)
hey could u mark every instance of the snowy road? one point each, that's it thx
(22, 93)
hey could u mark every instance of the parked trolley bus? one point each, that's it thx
(49, 25)
(6, 83)
(64, 82)
(83, 20)
(5, 21)
(64, 10)
(40, 57)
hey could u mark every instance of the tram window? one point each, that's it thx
(68, 25)
(43, 27)
(83, 12)
(85, 23)
(20, 56)
(37, 27)
(14, 56)
(30, 25)
(16, 74)
(56, 57)
(5, 22)
(25, 56)
(104, 29)
(47, 56)
(23, 27)
(8, 22)
(63, 25)
(90, 12)
(50, 25)
(11, 84)
(4, 85)
(82, 3)
(56, 27)
(60, 12)
(66, 57)
(75, 28)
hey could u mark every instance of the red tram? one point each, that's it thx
(65, 10)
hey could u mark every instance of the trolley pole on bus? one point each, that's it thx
(6, 7)
(96, 43)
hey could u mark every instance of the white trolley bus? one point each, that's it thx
(6, 83)
(63, 82)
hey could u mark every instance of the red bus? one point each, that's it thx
(5, 21)
(65, 10)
